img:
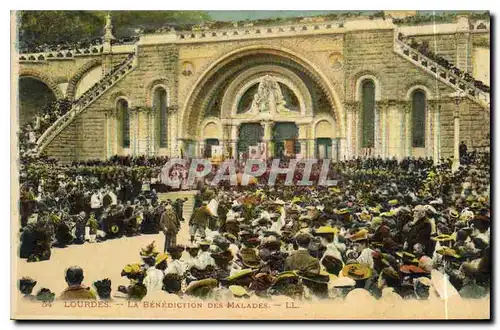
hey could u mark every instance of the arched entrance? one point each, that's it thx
(33, 96)
(206, 96)
(250, 134)
(208, 147)
(284, 138)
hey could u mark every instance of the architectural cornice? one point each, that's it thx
(265, 32)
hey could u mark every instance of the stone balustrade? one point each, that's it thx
(61, 54)
(118, 47)
(445, 75)
(260, 30)
(85, 100)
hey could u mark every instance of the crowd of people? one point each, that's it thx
(423, 48)
(30, 132)
(387, 228)
(59, 46)
(87, 201)
(48, 115)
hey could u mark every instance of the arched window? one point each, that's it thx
(160, 108)
(418, 119)
(368, 114)
(122, 107)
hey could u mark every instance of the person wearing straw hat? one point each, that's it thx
(26, 285)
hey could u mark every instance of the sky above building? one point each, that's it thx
(242, 15)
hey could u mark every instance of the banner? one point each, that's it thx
(217, 153)
(289, 147)
(213, 206)
(254, 152)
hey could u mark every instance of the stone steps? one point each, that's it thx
(446, 76)
(84, 102)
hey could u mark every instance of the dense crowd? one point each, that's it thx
(110, 198)
(48, 115)
(387, 227)
(424, 49)
(30, 132)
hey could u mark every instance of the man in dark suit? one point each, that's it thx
(300, 260)
(179, 207)
(199, 221)
(170, 225)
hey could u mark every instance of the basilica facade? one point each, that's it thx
(315, 89)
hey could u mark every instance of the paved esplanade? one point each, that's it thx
(101, 260)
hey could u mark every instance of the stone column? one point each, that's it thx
(402, 129)
(111, 116)
(267, 139)
(408, 130)
(384, 131)
(429, 130)
(334, 150)
(134, 130)
(173, 126)
(349, 149)
(137, 134)
(303, 148)
(201, 149)
(152, 131)
(437, 137)
(377, 143)
(234, 141)
(303, 128)
(343, 149)
(436, 148)
(463, 39)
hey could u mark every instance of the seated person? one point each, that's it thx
(76, 290)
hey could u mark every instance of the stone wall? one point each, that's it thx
(361, 53)
(86, 137)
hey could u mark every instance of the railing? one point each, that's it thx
(60, 54)
(443, 74)
(84, 101)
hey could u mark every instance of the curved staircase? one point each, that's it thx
(85, 100)
(443, 74)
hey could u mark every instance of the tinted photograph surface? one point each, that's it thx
(241, 165)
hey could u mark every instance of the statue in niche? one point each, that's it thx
(269, 97)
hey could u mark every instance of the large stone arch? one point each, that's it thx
(73, 82)
(237, 87)
(321, 119)
(213, 123)
(154, 83)
(359, 77)
(47, 80)
(411, 88)
(309, 68)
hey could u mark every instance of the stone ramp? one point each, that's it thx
(183, 236)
